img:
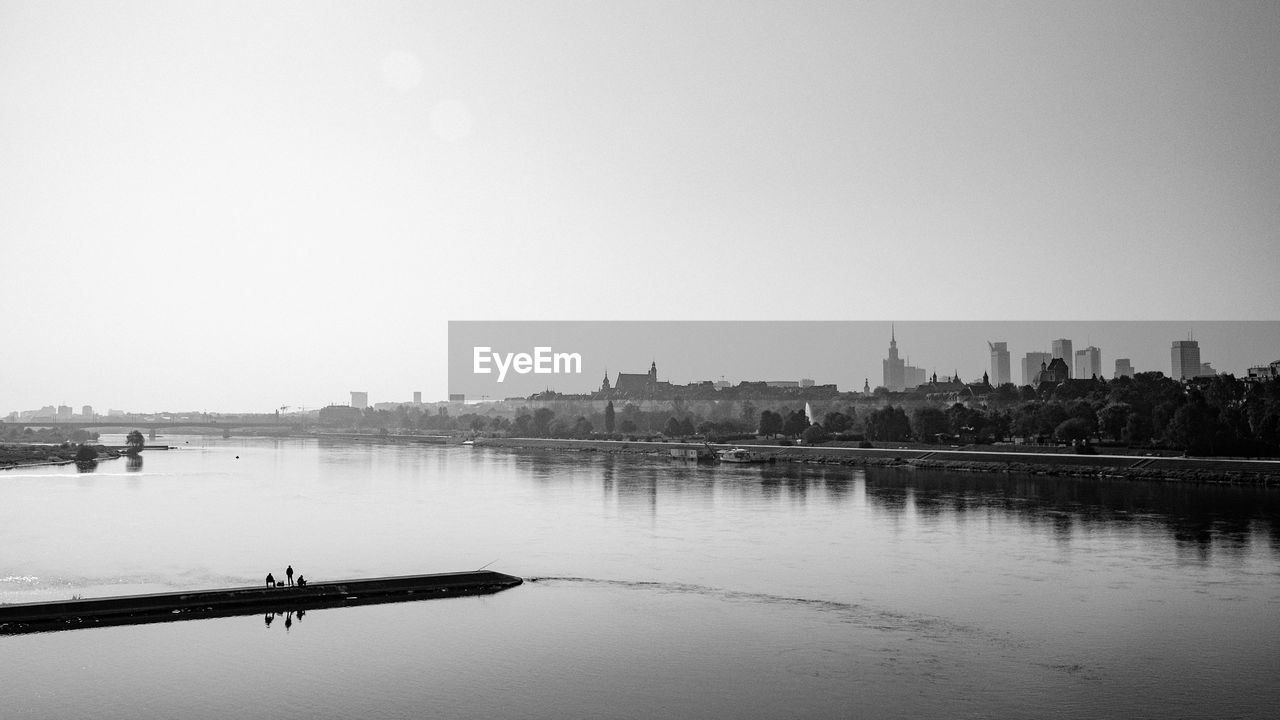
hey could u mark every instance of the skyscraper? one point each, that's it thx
(359, 399)
(1088, 363)
(999, 363)
(1124, 368)
(1186, 359)
(1062, 349)
(1031, 365)
(912, 377)
(894, 377)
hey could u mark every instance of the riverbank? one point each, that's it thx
(12, 456)
(16, 456)
(1137, 467)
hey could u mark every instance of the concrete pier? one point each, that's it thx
(198, 604)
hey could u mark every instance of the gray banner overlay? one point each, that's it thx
(492, 360)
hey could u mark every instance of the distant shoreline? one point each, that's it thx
(1136, 467)
(14, 456)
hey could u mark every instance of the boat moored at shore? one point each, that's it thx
(743, 456)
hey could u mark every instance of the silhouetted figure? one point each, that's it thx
(268, 618)
(288, 621)
(302, 582)
(271, 580)
(288, 573)
(301, 612)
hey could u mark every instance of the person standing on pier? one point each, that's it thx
(288, 574)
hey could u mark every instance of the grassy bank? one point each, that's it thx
(13, 455)
(1138, 467)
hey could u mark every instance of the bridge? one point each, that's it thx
(223, 423)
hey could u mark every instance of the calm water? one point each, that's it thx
(661, 589)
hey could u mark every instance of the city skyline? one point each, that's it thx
(841, 353)
(1151, 355)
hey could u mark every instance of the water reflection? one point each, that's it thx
(1224, 518)
(133, 463)
(1200, 519)
(288, 618)
(86, 466)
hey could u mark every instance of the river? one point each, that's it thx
(656, 588)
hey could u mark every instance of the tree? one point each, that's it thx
(888, 423)
(795, 423)
(961, 419)
(627, 426)
(86, 453)
(523, 426)
(929, 422)
(1049, 417)
(998, 424)
(836, 422)
(1026, 421)
(686, 426)
(1073, 430)
(1193, 426)
(815, 435)
(770, 423)
(630, 413)
(541, 423)
(1113, 418)
(672, 428)
(609, 417)
(1006, 395)
(1137, 429)
(558, 429)
(582, 428)
(134, 442)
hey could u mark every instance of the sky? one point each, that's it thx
(232, 206)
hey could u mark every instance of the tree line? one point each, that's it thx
(1221, 415)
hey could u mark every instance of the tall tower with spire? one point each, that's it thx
(894, 373)
(653, 371)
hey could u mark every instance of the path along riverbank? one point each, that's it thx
(984, 459)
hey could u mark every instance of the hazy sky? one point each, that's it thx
(245, 205)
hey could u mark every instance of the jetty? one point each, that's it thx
(75, 614)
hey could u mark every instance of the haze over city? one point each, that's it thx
(232, 206)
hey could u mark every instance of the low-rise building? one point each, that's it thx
(339, 415)
(1262, 373)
